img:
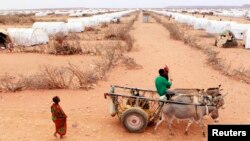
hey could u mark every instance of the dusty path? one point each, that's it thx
(25, 116)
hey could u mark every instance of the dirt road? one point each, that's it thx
(25, 116)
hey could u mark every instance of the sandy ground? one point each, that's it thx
(25, 116)
(31, 63)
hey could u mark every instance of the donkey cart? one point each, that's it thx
(137, 108)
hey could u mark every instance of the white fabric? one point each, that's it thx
(247, 39)
(98, 19)
(201, 23)
(163, 97)
(27, 36)
(75, 27)
(239, 30)
(52, 28)
(41, 14)
(217, 27)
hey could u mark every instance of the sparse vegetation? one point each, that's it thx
(73, 76)
(122, 33)
(176, 32)
(17, 19)
(62, 46)
(10, 83)
(130, 63)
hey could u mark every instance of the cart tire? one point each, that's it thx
(134, 120)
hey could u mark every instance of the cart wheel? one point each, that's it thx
(134, 120)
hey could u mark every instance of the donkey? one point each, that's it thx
(192, 112)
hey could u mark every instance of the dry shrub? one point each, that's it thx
(100, 49)
(90, 49)
(130, 41)
(157, 19)
(89, 29)
(73, 36)
(130, 63)
(11, 83)
(71, 76)
(207, 36)
(50, 78)
(32, 49)
(115, 33)
(60, 45)
(16, 19)
(192, 41)
(37, 81)
(242, 74)
(212, 56)
(56, 78)
(174, 30)
(104, 25)
(99, 68)
(120, 33)
(67, 49)
(86, 79)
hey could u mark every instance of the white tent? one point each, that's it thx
(41, 14)
(27, 36)
(97, 19)
(78, 14)
(75, 27)
(215, 27)
(86, 21)
(191, 20)
(201, 23)
(52, 28)
(62, 13)
(239, 30)
(247, 39)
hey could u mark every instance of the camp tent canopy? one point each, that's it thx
(201, 23)
(75, 27)
(247, 39)
(98, 19)
(52, 28)
(239, 30)
(41, 14)
(216, 27)
(27, 36)
(86, 21)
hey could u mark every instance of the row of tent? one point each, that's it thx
(73, 13)
(230, 12)
(97, 19)
(241, 31)
(41, 13)
(40, 31)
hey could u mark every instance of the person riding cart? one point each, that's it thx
(162, 85)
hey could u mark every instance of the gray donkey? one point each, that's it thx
(192, 113)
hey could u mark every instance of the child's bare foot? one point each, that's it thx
(55, 134)
(61, 137)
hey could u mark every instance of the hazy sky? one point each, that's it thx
(33, 4)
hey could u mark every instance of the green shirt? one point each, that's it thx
(161, 85)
